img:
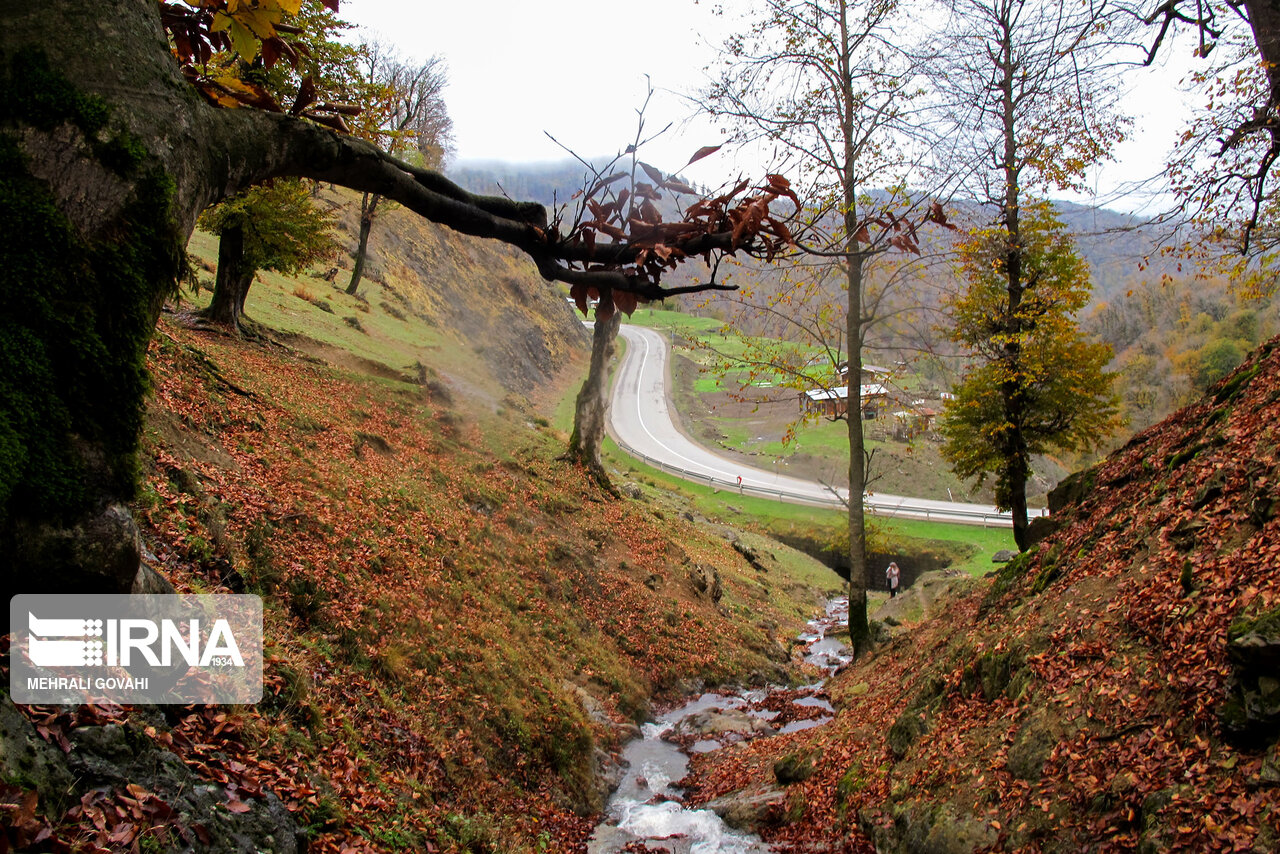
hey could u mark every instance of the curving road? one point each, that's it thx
(641, 422)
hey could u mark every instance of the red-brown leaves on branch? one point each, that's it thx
(901, 232)
(305, 98)
(938, 216)
(781, 187)
(231, 92)
(609, 301)
(654, 174)
(634, 218)
(194, 40)
(705, 151)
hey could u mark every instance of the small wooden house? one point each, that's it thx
(833, 402)
(909, 423)
(871, 374)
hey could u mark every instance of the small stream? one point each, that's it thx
(646, 812)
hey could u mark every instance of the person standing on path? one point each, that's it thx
(892, 574)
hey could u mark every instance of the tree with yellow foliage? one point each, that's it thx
(1037, 384)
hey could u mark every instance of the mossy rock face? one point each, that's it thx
(114, 755)
(1050, 571)
(1031, 746)
(996, 674)
(850, 783)
(1265, 626)
(796, 767)
(930, 695)
(27, 760)
(1212, 489)
(1042, 528)
(1009, 574)
(1072, 489)
(909, 726)
(1251, 711)
(932, 828)
(1233, 386)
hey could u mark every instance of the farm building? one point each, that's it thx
(831, 402)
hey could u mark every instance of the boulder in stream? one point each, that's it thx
(715, 722)
(751, 809)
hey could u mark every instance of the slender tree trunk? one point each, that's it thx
(1012, 392)
(859, 569)
(1264, 20)
(368, 207)
(231, 287)
(592, 406)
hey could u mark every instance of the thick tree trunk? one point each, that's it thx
(368, 207)
(591, 409)
(95, 223)
(231, 287)
(105, 173)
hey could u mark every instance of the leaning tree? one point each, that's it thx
(408, 115)
(108, 153)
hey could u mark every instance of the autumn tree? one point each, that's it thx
(618, 202)
(405, 115)
(1028, 350)
(252, 235)
(1223, 169)
(822, 80)
(276, 227)
(112, 141)
(1030, 113)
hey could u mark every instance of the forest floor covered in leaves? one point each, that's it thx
(1113, 689)
(460, 628)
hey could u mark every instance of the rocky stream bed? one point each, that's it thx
(647, 814)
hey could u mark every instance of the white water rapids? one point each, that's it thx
(646, 809)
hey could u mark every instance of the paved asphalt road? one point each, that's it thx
(640, 421)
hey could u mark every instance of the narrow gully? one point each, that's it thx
(647, 813)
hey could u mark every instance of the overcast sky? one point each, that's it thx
(576, 69)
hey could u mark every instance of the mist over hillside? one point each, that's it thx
(547, 183)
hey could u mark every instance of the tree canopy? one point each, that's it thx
(284, 230)
(1037, 385)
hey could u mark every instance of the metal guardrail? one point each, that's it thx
(965, 517)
